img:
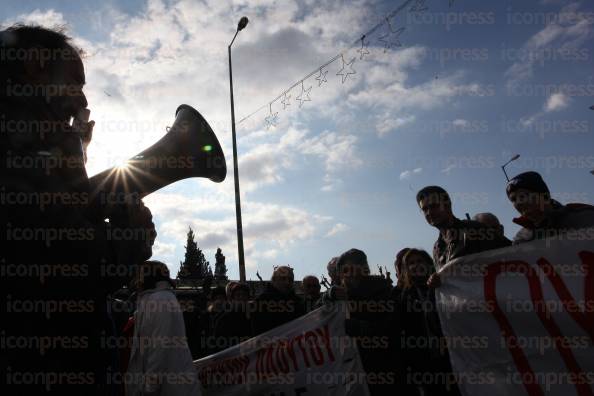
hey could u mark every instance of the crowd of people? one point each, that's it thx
(60, 285)
(397, 326)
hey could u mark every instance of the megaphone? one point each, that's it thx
(189, 149)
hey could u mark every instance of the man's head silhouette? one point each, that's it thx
(42, 72)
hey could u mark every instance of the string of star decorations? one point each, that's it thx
(388, 40)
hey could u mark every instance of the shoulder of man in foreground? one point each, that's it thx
(567, 217)
(577, 215)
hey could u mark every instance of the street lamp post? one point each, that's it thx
(242, 24)
(515, 157)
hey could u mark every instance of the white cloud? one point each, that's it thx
(527, 121)
(338, 151)
(163, 249)
(262, 166)
(407, 174)
(387, 88)
(331, 183)
(266, 162)
(263, 254)
(448, 169)
(165, 252)
(48, 18)
(557, 101)
(336, 229)
(386, 125)
(560, 36)
(460, 123)
(267, 227)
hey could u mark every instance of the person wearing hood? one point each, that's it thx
(278, 303)
(540, 215)
(160, 360)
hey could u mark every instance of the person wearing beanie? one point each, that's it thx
(540, 215)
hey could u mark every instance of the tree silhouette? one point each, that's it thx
(194, 265)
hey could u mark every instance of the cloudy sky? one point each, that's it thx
(446, 100)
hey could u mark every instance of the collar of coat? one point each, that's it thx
(556, 211)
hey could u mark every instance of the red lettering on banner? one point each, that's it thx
(281, 359)
(324, 333)
(281, 356)
(299, 341)
(314, 349)
(269, 361)
(292, 354)
(584, 320)
(493, 270)
(227, 371)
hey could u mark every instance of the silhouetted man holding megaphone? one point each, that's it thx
(59, 257)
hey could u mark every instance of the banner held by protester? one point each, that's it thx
(308, 356)
(520, 320)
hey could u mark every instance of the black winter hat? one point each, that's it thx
(531, 181)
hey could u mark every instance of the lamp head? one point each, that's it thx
(242, 23)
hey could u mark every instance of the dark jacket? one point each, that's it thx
(375, 325)
(233, 326)
(465, 237)
(419, 319)
(273, 308)
(560, 219)
(62, 258)
(421, 341)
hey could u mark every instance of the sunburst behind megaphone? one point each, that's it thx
(189, 149)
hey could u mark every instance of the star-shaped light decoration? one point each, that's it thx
(304, 95)
(272, 118)
(285, 101)
(419, 6)
(391, 42)
(322, 77)
(345, 73)
(363, 50)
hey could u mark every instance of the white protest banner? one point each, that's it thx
(520, 320)
(309, 356)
